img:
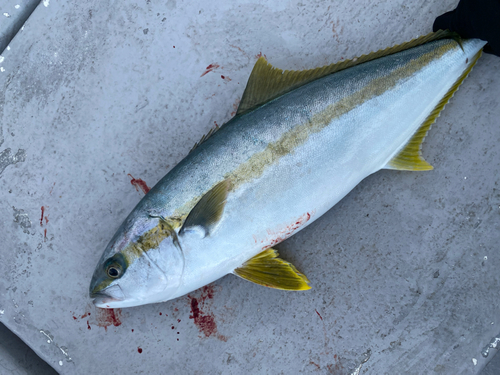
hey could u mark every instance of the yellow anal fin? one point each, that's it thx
(410, 157)
(268, 270)
(267, 82)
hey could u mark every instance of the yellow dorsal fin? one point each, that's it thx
(268, 270)
(267, 82)
(410, 157)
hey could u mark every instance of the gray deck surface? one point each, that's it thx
(405, 269)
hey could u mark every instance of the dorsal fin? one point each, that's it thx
(267, 82)
(205, 137)
(410, 157)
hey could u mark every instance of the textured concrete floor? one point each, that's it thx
(404, 269)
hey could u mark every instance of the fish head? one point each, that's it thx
(142, 264)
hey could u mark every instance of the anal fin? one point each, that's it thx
(410, 157)
(268, 270)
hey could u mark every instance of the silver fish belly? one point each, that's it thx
(275, 170)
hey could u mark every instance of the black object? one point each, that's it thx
(474, 19)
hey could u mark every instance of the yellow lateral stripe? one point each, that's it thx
(410, 158)
(255, 166)
(150, 239)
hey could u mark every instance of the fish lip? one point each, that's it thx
(111, 294)
(103, 300)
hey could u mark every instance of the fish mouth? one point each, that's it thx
(104, 298)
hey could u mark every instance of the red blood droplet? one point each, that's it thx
(139, 350)
(41, 218)
(139, 184)
(318, 314)
(210, 68)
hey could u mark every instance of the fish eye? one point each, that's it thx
(114, 271)
(115, 266)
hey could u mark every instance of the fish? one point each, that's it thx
(300, 142)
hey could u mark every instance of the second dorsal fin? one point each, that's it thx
(267, 82)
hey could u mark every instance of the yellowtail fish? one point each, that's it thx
(301, 140)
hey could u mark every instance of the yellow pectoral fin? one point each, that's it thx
(410, 157)
(208, 211)
(268, 270)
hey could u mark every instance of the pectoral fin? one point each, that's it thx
(208, 211)
(268, 270)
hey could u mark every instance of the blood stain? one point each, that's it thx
(176, 309)
(259, 55)
(315, 364)
(239, 49)
(108, 317)
(210, 68)
(318, 314)
(139, 350)
(88, 325)
(139, 184)
(281, 234)
(46, 220)
(45, 234)
(84, 315)
(174, 46)
(74, 317)
(160, 313)
(205, 321)
(235, 106)
(41, 218)
(173, 327)
(178, 320)
(132, 330)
